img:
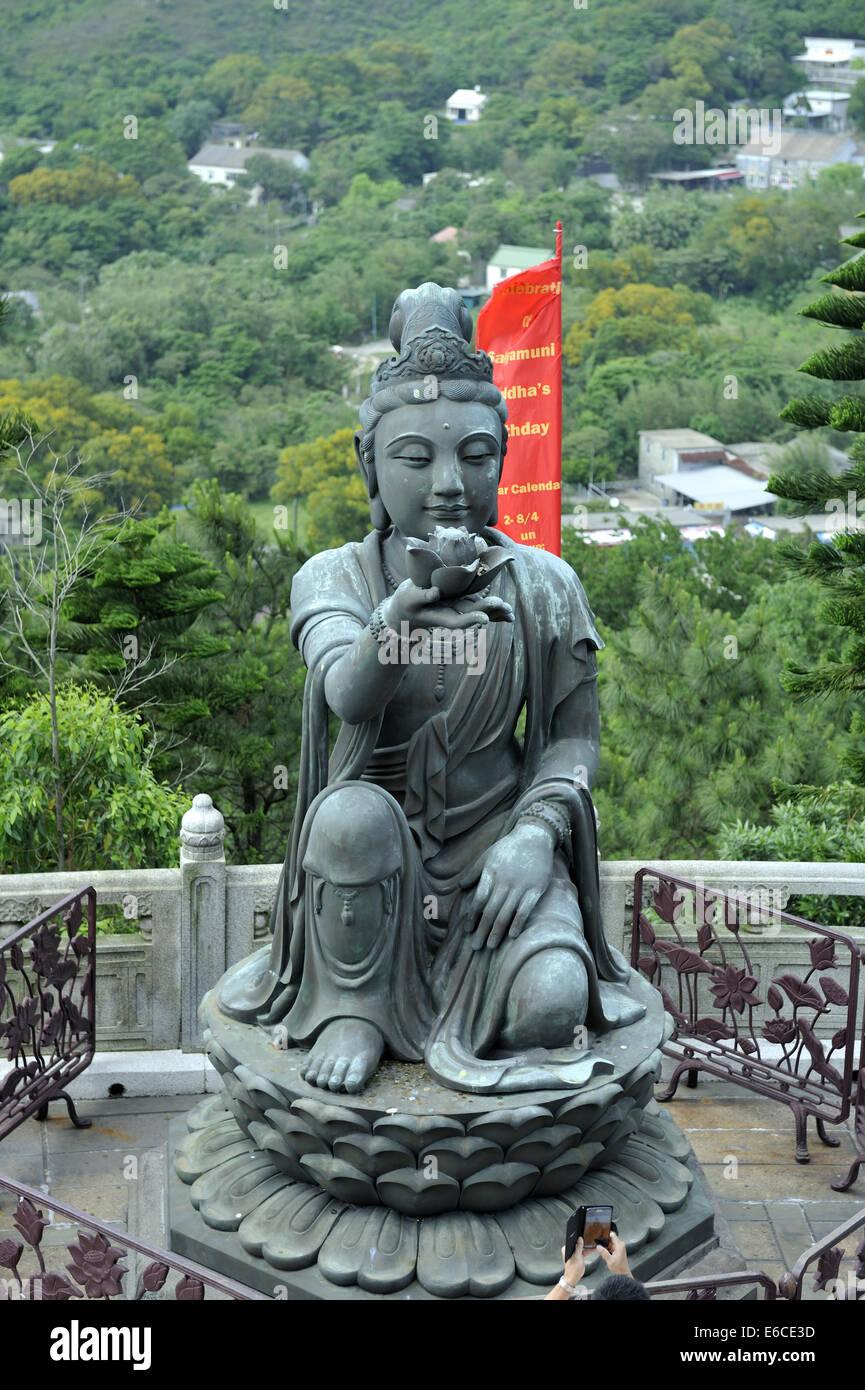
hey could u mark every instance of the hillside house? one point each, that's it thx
(817, 109)
(687, 468)
(832, 62)
(223, 164)
(507, 260)
(795, 157)
(465, 105)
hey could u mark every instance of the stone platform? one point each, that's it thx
(230, 1209)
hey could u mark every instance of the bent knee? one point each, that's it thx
(549, 998)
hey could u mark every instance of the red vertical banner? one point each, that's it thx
(520, 326)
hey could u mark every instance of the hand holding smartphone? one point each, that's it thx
(593, 1223)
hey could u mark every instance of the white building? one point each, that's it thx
(223, 164)
(793, 158)
(465, 105)
(832, 62)
(507, 260)
(687, 468)
(822, 109)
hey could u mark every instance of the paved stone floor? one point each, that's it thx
(776, 1208)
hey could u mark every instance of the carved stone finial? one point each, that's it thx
(203, 828)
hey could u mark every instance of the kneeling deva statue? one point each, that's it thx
(439, 900)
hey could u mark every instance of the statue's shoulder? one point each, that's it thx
(551, 592)
(539, 569)
(329, 570)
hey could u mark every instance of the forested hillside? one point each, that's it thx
(53, 56)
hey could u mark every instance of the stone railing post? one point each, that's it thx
(202, 912)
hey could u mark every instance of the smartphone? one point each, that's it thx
(593, 1224)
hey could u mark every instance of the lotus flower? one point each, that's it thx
(456, 562)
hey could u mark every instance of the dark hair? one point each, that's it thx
(621, 1286)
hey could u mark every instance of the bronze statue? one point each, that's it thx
(439, 898)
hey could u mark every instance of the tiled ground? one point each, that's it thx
(776, 1208)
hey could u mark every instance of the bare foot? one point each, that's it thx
(344, 1056)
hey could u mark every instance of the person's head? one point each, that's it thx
(623, 1287)
(433, 437)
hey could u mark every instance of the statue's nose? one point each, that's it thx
(448, 478)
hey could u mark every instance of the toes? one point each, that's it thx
(337, 1076)
(309, 1071)
(324, 1071)
(355, 1080)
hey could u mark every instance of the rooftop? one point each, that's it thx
(798, 144)
(466, 96)
(520, 257)
(682, 439)
(820, 94)
(230, 157)
(731, 490)
(822, 50)
(446, 234)
(727, 171)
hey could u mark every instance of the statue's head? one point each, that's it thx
(433, 438)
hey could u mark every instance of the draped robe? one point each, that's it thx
(452, 1014)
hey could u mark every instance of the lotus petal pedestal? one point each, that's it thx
(413, 1190)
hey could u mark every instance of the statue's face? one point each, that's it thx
(438, 464)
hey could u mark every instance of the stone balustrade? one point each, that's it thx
(197, 920)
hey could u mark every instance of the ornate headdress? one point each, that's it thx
(431, 330)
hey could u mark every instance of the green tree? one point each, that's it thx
(136, 604)
(839, 567)
(117, 815)
(231, 81)
(856, 105)
(695, 720)
(241, 737)
(189, 124)
(325, 474)
(814, 825)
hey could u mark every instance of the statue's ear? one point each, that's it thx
(494, 514)
(358, 435)
(378, 516)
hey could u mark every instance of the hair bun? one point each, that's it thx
(429, 307)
